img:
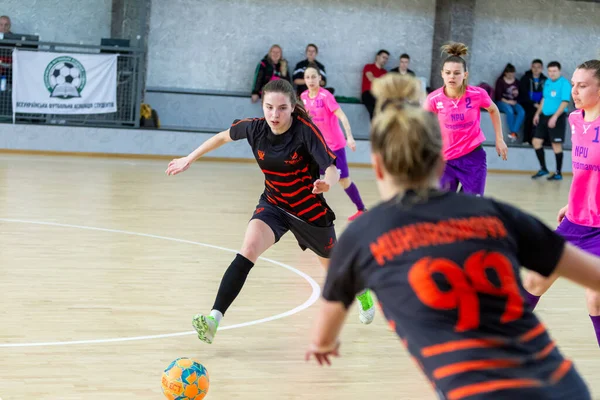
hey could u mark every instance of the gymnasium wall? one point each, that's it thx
(67, 21)
(216, 44)
(187, 50)
(517, 31)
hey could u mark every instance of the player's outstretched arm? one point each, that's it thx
(327, 326)
(181, 164)
(580, 267)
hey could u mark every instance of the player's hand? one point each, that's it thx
(322, 355)
(502, 149)
(552, 122)
(255, 98)
(178, 165)
(352, 144)
(320, 186)
(561, 213)
(536, 119)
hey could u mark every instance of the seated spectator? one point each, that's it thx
(506, 95)
(402, 69)
(370, 73)
(5, 24)
(531, 89)
(311, 57)
(272, 67)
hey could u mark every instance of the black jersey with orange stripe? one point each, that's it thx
(446, 273)
(290, 162)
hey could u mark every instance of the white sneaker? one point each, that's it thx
(206, 327)
(366, 316)
(366, 307)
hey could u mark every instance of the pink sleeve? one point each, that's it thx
(330, 102)
(486, 100)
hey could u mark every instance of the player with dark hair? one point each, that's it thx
(290, 150)
(445, 268)
(327, 114)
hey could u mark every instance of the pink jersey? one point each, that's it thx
(584, 196)
(459, 119)
(321, 110)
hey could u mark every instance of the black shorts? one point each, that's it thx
(556, 134)
(316, 238)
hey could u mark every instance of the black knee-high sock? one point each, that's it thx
(540, 156)
(232, 282)
(559, 158)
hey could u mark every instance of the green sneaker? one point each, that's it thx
(206, 327)
(366, 313)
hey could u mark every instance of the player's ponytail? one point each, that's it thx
(456, 53)
(406, 136)
(455, 49)
(284, 87)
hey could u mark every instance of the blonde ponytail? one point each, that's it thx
(405, 135)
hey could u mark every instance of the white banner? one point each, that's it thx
(54, 83)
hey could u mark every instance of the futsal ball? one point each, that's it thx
(185, 379)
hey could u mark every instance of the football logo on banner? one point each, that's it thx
(65, 78)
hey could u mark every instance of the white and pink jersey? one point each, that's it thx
(459, 119)
(321, 110)
(584, 196)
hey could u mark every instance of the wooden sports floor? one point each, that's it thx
(104, 261)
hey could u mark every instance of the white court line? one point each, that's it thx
(316, 290)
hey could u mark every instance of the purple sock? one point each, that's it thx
(532, 299)
(352, 192)
(596, 322)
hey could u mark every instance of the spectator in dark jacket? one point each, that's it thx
(531, 88)
(272, 67)
(402, 69)
(311, 58)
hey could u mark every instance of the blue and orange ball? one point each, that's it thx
(185, 379)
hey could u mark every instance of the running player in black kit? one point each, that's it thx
(290, 151)
(445, 267)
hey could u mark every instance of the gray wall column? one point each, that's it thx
(454, 22)
(131, 20)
